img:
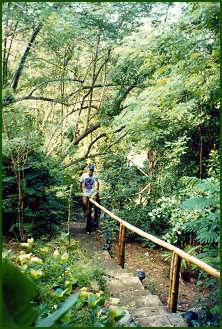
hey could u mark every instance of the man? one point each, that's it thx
(89, 184)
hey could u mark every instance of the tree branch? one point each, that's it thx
(117, 141)
(77, 140)
(90, 87)
(143, 190)
(54, 80)
(89, 131)
(143, 172)
(24, 57)
(87, 156)
(5, 58)
(8, 101)
(85, 133)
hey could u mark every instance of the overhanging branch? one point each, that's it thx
(87, 155)
(24, 57)
(48, 81)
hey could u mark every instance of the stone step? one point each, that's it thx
(139, 300)
(161, 320)
(124, 283)
(140, 295)
(144, 309)
(118, 274)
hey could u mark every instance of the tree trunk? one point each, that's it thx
(22, 62)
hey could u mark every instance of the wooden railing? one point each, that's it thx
(178, 254)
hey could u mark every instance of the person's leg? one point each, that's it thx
(85, 203)
(97, 210)
(88, 214)
(96, 216)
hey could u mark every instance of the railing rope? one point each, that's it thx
(176, 260)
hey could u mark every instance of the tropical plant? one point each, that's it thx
(35, 209)
(207, 226)
(49, 274)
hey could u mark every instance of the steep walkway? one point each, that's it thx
(144, 309)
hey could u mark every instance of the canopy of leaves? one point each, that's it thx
(109, 83)
(105, 82)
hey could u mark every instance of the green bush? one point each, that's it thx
(55, 270)
(209, 313)
(42, 209)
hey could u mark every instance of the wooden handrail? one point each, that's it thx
(209, 269)
(177, 254)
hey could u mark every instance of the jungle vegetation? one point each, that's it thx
(105, 83)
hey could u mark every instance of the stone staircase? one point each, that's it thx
(146, 310)
(143, 308)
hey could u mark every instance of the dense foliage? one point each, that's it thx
(111, 83)
(64, 286)
(42, 209)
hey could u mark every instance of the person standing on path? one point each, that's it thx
(89, 184)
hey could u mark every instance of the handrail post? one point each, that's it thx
(121, 245)
(174, 282)
(180, 253)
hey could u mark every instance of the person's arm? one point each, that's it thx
(81, 187)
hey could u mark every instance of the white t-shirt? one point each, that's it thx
(88, 183)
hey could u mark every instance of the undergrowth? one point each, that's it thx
(66, 282)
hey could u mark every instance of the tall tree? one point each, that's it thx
(176, 112)
(78, 63)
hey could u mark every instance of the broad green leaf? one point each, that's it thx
(51, 319)
(92, 301)
(17, 293)
(59, 292)
(116, 312)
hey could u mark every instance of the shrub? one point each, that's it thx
(56, 271)
(42, 209)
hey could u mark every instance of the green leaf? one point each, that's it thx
(30, 191)
(100, 301)
(116, 312)
(17, 292)
(92, 301)
(59, 292)
(208, 237)
(197, 203)
(208, 187)
(51, 319)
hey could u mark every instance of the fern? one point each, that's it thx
(198, 203)
(207, 226)
(208, 237)
(192, 226)
(189, 181)
(167, 256)
(211, 257)
(207, 229)
(208, 186)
